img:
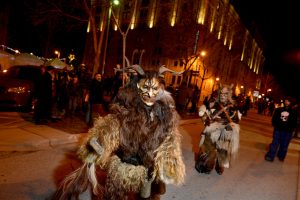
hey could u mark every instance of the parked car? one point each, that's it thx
(17, 87)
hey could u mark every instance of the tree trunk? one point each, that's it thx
(97, 40)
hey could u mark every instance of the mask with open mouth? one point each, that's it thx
(149, 89)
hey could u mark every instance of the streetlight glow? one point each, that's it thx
(57, 53)
(116, 2)
(203, 53)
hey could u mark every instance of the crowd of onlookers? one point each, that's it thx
(186, 97)
(265, 106)
(63, 94)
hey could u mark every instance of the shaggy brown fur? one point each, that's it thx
(206, 157)
(133, 144)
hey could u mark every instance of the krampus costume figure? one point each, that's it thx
(137, 144)
(220, 139)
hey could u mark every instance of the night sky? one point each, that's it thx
(27, 35)
(278, 24)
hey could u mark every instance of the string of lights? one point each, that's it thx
(10, 49)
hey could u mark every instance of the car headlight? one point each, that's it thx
(17, 89)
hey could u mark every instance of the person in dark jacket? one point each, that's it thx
(246, 106)
(94, 99)
(42, 112)
(284, 122)
(75, 94)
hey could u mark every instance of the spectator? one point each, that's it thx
(54, 80)
(195, 100)
(260, 106)
(111, 88)
(182, 97)
(265, 107)
(271, 107)
(246, 106)
(94, 99)
(75, 92)
(43, 106)
(85, 82)
(62, 93)
(284, 122)
(189, 97)
(170, 89)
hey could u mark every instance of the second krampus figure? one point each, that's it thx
(219, 141)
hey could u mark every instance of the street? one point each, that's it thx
(250, 176)
(34, 159)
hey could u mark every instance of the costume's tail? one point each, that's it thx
(78, 182)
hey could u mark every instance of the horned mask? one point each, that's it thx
(150, 84)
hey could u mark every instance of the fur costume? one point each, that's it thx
(137, 144)
(219, 141)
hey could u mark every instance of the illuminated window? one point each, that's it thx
(231, 41)
(152, 12)
(88, 27)
(201, 12)
(174, 13)
(212, 22)
(101, 24)
(244, 46)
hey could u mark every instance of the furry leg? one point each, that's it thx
(222, 161)
(219, 168)
(206, 162)
(207, 156)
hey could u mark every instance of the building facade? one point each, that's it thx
(206, 39)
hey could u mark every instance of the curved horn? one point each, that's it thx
(140, 61)
(117, 70)
(127, 61)
(163, 69)
(138, 69)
